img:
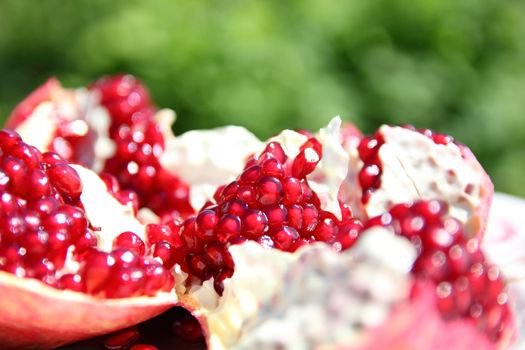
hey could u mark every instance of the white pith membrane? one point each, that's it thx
(415, 167)
(34, 314)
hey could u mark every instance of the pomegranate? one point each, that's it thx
(327, 226)
(62, 257)
(400, 164)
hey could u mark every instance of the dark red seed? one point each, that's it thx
(293, 191)
(166, 252)
(66, 180)
(367, 149)
(275, 149)
(269, 190)
(187, 328)
(130, 241)
(205, 224)
(255, 224)
(229, 227)
(72, 282)
(285, 237)
(122, 339)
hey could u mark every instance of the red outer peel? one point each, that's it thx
(24, 109)
(29, 322)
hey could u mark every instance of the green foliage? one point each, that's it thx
(455, 66)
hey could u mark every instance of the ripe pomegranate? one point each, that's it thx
(326, 226)
(401, 164)
(62, 257)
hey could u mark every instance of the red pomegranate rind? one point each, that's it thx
(24, 109)
(400, 164)
(272, 203)
(417, 324)
(139, 144)
(38, 316)
(466, 286)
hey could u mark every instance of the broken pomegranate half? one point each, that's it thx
(69, 251)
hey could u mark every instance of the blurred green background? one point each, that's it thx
(457, 66)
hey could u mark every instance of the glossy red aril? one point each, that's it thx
(270, 202)
(467, 286)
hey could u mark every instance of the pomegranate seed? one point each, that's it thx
(187, 328)
(130, 241)
(166, 252)
(293, 191)
(66, 179)
(125, 282)
(205, 223)
(122, 339)
(255, 224)
(269, 191)
(275, 149)
(96, 269)
(72, 282)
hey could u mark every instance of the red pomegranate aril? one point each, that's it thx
(198, 266)
(272, 167)
(235, 207)
(165, 252)
(129, 198)
(95, 270)
(16, 170)
(38, 185)
(188, 237)
(85, 241)
(50, 158)
(368, 149)
(275, 149)
(277, 215)
(293, 191)
(66, 179)
(187, 328)
(250, 175)
(369, 176)
(156, 233)
(71, 282)
(285, 237)
(310, 218)
(156, 276)
(125, 282)
(229, 192)
(8, 139)
(348, 234)
(45, 205)
(305, 163)
(229, 227)
(247, 194)
(123, 339)
(125, 257)
(325, 230)
(218, 281)
(130, 241)
(205, 224)
(269, 191)
(215, 254)
(255, 224)
(295, 216)
(27, 154)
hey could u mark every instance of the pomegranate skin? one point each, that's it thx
(417, 324)
(35, 316)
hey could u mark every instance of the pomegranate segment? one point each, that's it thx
(139, 143)
(466, 285)
(270, 202)
(401, 164)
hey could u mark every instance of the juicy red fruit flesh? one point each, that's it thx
(467, 286)
(271, 203)
(139, 144)
(42, 221)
